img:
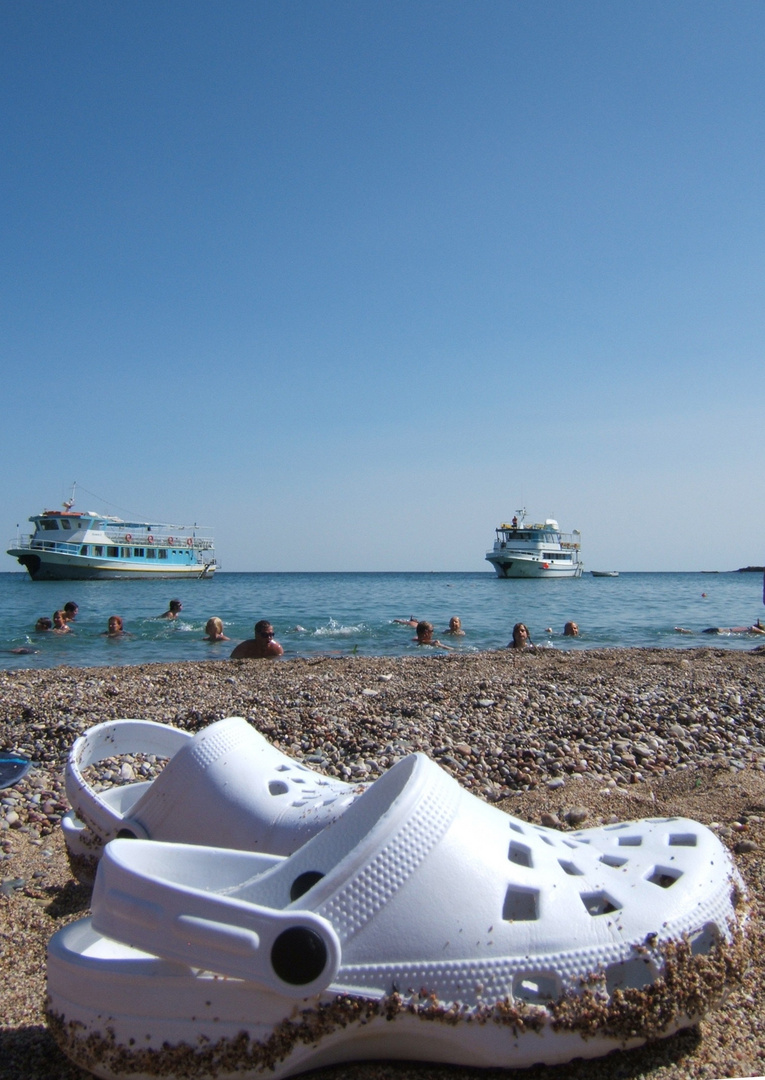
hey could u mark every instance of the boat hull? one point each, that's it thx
(49, 566)
(520, 566)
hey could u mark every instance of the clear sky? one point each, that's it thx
(352, 282)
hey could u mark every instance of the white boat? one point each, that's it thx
(604, 573)
(83, 545)
(522, 550)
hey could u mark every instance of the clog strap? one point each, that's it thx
(293, 952)
(104, 741)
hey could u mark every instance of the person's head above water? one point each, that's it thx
(520, 636)
(214, 629)
(172, 612)
(262, 646)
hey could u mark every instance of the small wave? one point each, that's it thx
(336, 629)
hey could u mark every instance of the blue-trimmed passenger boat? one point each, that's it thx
(75, 545)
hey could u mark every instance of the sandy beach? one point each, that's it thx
(552, 737)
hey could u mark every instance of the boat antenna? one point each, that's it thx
(113, 506)
(69, 503)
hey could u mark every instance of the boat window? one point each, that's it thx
(151, 553)
(113, 552)
(65, 523)
(126, 553)
(162, 553)
(49, 524)
(98, 550)
(84, 550)
(139, 553)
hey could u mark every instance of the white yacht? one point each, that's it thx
(523, 550)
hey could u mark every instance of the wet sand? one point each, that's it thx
(612, 735)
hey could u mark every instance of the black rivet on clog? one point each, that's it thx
(298, 956)
(304, 882)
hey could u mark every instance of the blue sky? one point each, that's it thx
(352, 282)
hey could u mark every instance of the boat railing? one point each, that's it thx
(21, 540)
(124, 537)
(29, 543)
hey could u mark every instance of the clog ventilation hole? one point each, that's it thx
(522, 903)
(283, 787)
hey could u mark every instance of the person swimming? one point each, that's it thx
(173, 610)
(521, 639)
(214, 630)
(425, 636)
(261, 647)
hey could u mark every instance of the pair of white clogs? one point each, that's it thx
(252, 918)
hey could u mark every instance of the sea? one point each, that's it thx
(342, 614)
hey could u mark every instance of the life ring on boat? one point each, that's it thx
(128, 537)
(169, 541)
(150, 539)
(189, 542)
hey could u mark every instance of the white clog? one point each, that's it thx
(226, 786)
(421, 924)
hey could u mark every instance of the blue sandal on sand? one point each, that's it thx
(13, 767)
(422, 924)
(226, 785)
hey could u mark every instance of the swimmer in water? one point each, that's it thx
(115, 627)
(756, 628)
(521, 639)
(261, 647)
(214, 630)
(425, 636)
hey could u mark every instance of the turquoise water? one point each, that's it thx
(346, 613)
